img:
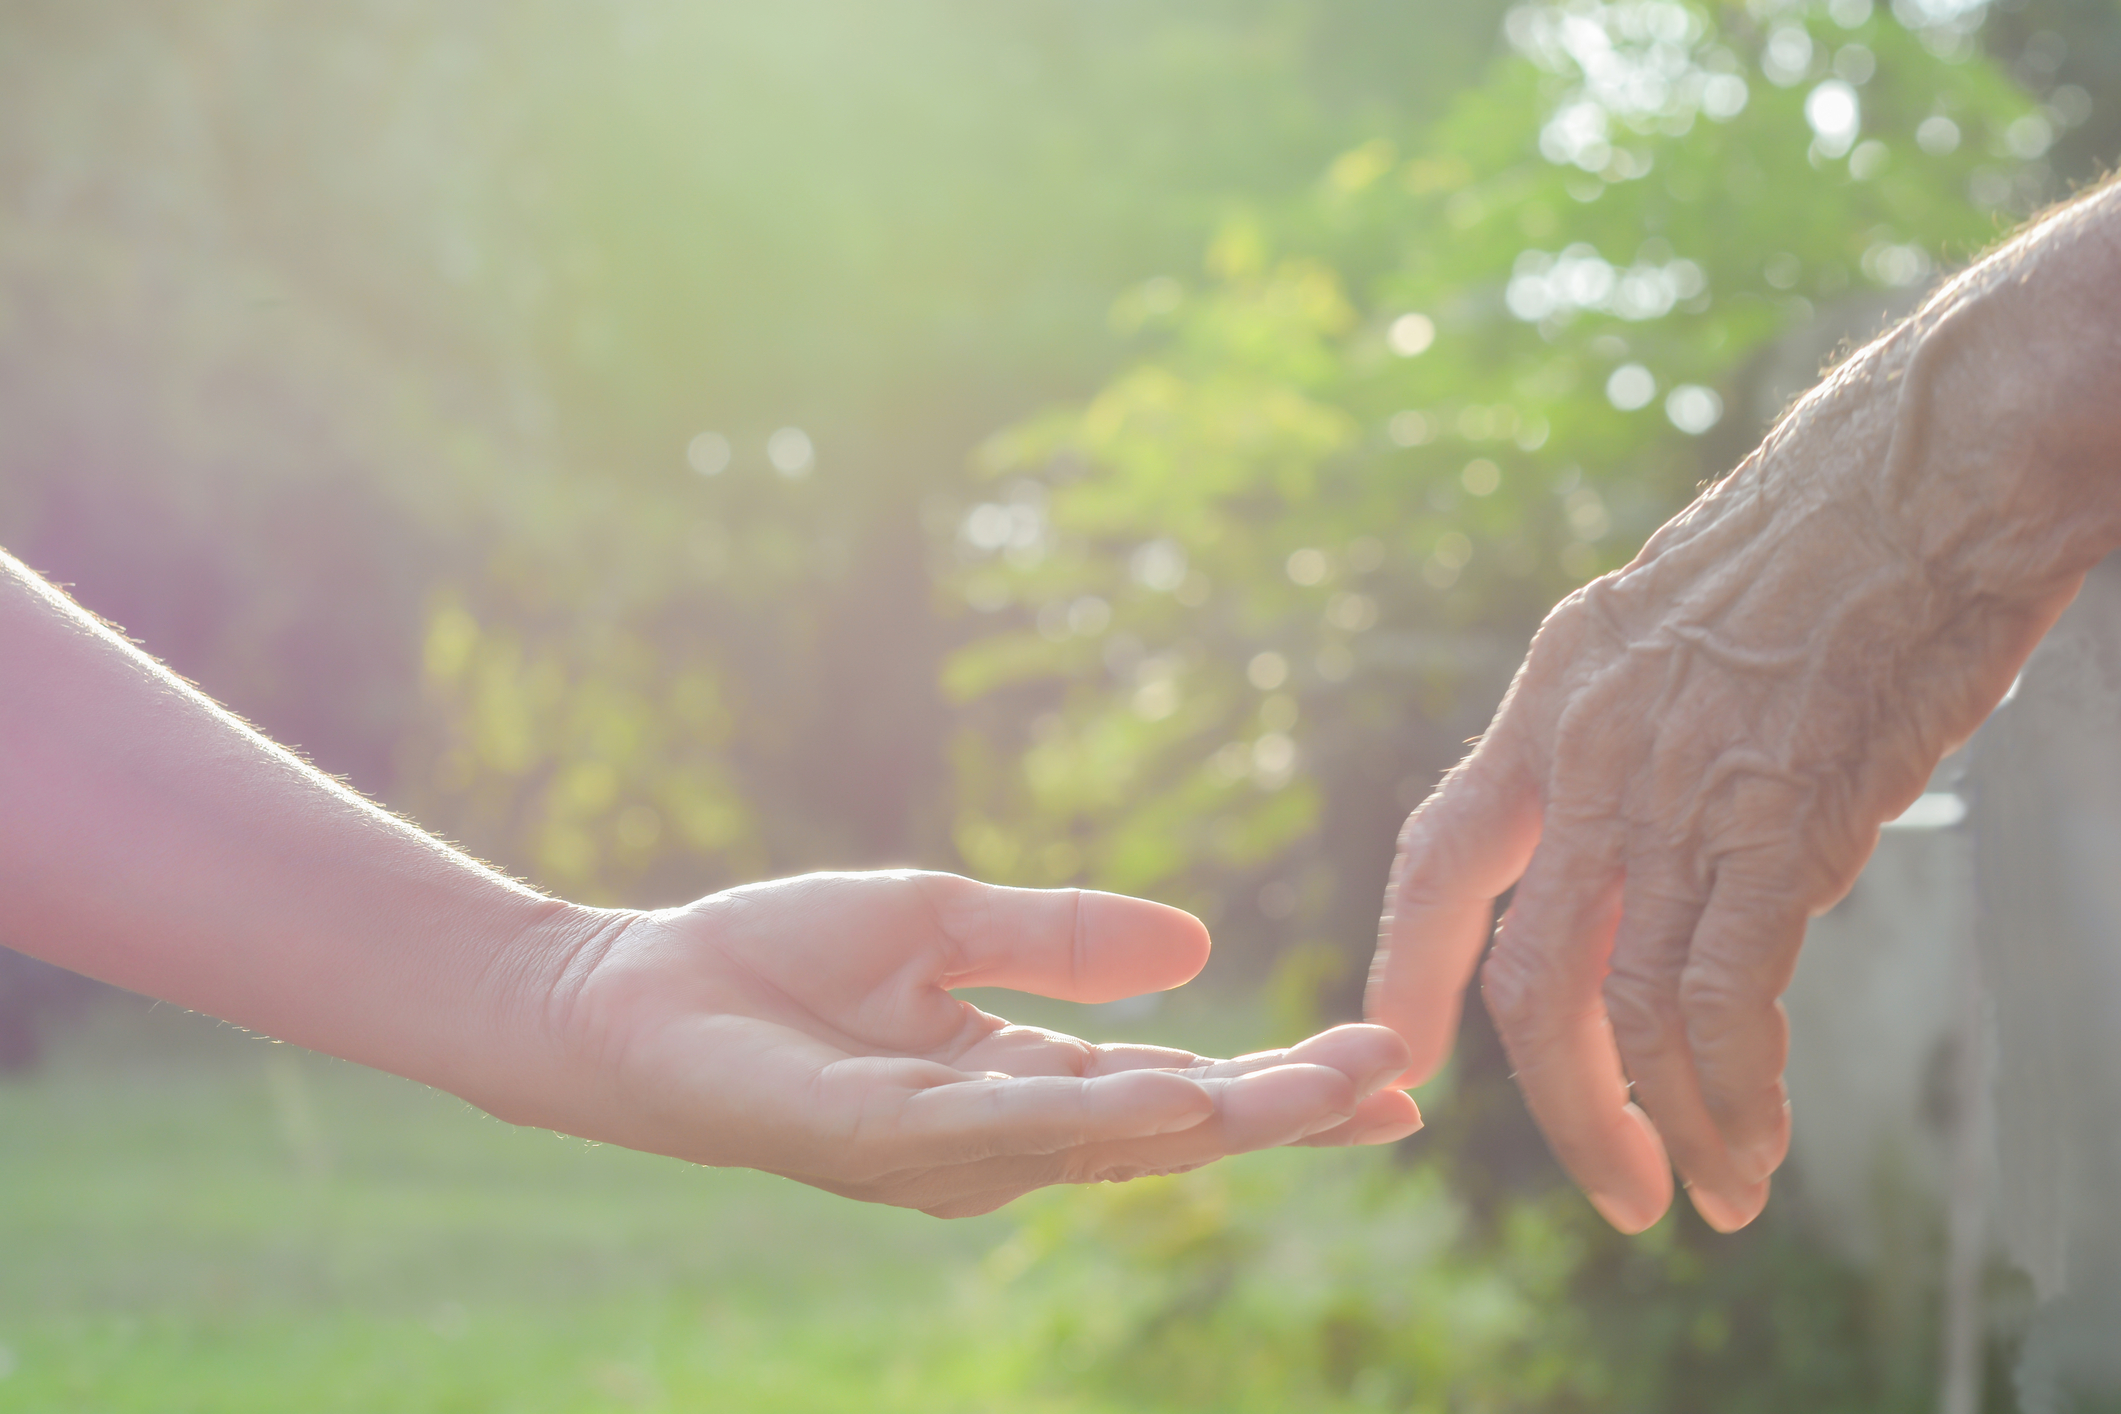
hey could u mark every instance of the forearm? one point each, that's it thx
(1700, 748)
(1982, 437)
(2007, 428)
(150, 839)
(1952, 481)
(806, 1027)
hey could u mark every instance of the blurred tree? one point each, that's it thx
(1251, 598)
(554, 417)
(1280, 1287)
(403, 322)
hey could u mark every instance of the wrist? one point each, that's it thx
(523, 1066)
(1999, 489)
(2006, 436)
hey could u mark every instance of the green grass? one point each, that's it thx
(194, 1219)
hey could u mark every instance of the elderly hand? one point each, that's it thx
(1698, 751)
(806, 1027)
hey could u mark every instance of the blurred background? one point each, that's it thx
(662, 444)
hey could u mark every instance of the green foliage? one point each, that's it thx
(1255, 1287)
(1265, 580)
(1473, 365)
(197, 1220)
(355, 360)
(609, 757)
(1357, 1283)
(426, 307)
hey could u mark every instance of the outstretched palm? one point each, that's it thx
(807, 1027)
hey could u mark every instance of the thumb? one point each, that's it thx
(1076, 944)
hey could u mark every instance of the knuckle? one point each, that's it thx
(1430, 825)
(1512, 985)
(1642, 1014)
(1426, 875)
(1766, 1104)
(1564, 623)
(1417, 833)
(1575, 620)
(1716, 1001)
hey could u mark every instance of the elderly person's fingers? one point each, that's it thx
(1543, 986)
(1466, 844)
(1661, 908)
(1745, 950)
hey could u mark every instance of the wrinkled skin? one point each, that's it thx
(1699, 750)
(804, 1027)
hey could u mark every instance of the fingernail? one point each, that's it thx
(1332, 1119)
(1386, 1074)
(1389, 1133)
(1724, 1213)
(1373, 1081)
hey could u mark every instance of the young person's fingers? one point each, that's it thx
(938, 1117)
(1260, 1110)
(1033, 1050)
(1076, 944)
(1370, 1056)
(1543, 987)
(1465, 845)
(1279, 1105)
(1383, 1118)
(1660, 909)
(1111, 1057)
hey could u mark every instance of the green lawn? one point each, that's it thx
(194, 1219)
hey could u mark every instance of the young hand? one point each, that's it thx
(806, 1027)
